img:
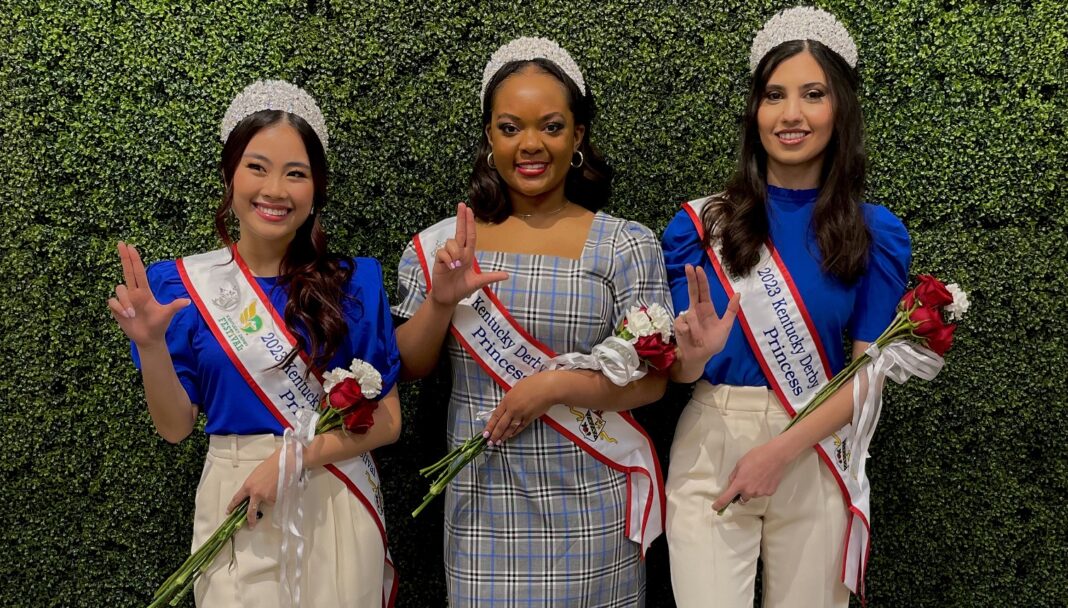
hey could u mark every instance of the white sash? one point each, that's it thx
(788, 348)
(508, 353)
(256, 339)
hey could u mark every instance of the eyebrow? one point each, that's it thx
(804, 86)
(267, 160)
(543, 118)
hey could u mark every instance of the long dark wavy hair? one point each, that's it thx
(314, 277)
(589, 185)
(739, 219)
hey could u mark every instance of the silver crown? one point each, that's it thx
(275, 95)
(803, 23)
(526, 49)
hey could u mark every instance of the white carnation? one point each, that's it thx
(638, 323)
(335, 377)
(662, 321)
(367, 376)
(960, 303)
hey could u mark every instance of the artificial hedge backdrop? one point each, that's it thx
(109, 125)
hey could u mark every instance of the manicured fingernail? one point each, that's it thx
(455, 265)
(485, 435)
(130, 313)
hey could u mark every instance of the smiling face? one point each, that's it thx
(796, 121)
(273, 187)
(533, 136)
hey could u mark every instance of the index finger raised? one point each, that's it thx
(461, 224)
(691, 285)
(138, 268)
(469, 241)
(703, 293)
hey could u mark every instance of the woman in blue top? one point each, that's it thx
(842, 264)
(283, 282)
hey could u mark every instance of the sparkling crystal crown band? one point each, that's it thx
(274, 95)
(803, 23)
(526, 49)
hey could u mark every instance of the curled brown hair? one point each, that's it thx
(314, 277)
(739, 219)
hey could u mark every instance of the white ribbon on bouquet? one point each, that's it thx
(898, 361)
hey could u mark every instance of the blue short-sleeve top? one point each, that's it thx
(215, 385)
(860, 311)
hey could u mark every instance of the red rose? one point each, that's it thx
(361, 417)
(346, 394)
(931, 292)
(654, 350)
(941, 339)
(927, 319)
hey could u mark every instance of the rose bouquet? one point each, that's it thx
(349, 404)
(642, 340)
(920, 323)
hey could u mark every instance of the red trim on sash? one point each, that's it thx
(421, 256)
(801, 307)
(225, 344)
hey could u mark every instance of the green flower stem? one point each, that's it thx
(449, 467)
(178, 584)
(900, 327)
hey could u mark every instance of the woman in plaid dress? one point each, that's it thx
(536, 521)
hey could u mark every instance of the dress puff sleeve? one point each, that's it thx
(881, 287)
(167, 286)
(638, 274)
(371, 336)
(411, 284)
(682, 246)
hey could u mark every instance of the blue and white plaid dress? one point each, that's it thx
(538, 522)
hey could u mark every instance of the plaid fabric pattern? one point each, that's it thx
(538, 522)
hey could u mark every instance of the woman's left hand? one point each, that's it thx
(526, 402)
(757, 474)
(260, 488)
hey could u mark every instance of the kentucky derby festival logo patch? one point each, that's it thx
(250, 321)
(592, 424)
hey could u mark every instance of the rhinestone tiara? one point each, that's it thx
(526, 49)
(274, 95)
(803, 23)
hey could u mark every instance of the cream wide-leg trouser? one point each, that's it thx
(798, 532)
(343, 554)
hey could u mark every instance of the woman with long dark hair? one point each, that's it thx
(812, 265)
(273, 311)
(544, 517)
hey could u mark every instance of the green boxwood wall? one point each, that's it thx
(109, 130)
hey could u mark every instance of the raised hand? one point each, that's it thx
(700, 332)
(454, 277)
(134, 307)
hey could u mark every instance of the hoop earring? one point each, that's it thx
(489, 160)
(582, 159)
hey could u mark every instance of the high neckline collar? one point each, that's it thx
(797, 197)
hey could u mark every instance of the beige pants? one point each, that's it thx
(343, 551)
(797, 532)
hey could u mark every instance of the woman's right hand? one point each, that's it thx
(454, 277)
(134, 307)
